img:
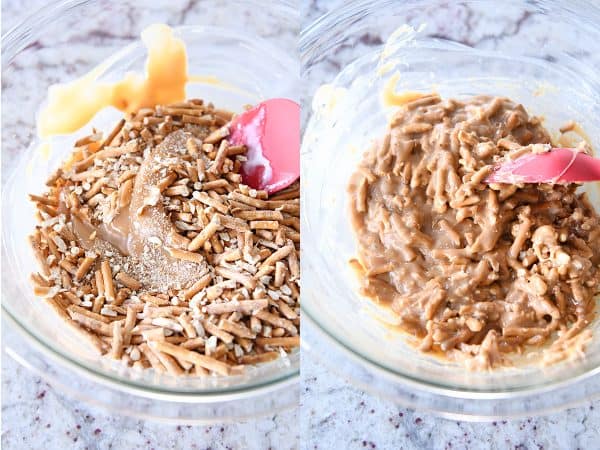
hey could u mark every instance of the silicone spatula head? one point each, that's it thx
(271, 132)
(559, 165)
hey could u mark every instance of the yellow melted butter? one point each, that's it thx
(392, 98)
(72, 105)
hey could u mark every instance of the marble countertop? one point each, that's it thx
(334, 413)
(337, 415)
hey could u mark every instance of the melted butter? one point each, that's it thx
(72, 105)
(166, 73)
(390, 97)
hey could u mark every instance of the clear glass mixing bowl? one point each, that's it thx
(543, 54)
(240, 42)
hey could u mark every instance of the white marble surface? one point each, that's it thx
(334, 413)
(34, 414)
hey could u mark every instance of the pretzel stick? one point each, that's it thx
(187, 355)
(242, 306)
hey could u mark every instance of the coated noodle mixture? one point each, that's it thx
(474, 271)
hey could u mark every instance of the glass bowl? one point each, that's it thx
(456, 49)
(242, 44)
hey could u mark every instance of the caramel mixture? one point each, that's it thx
(474, 271)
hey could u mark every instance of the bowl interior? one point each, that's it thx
(249, 68)
(347, 116)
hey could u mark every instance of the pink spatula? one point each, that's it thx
(559, 165)
(271, 132)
